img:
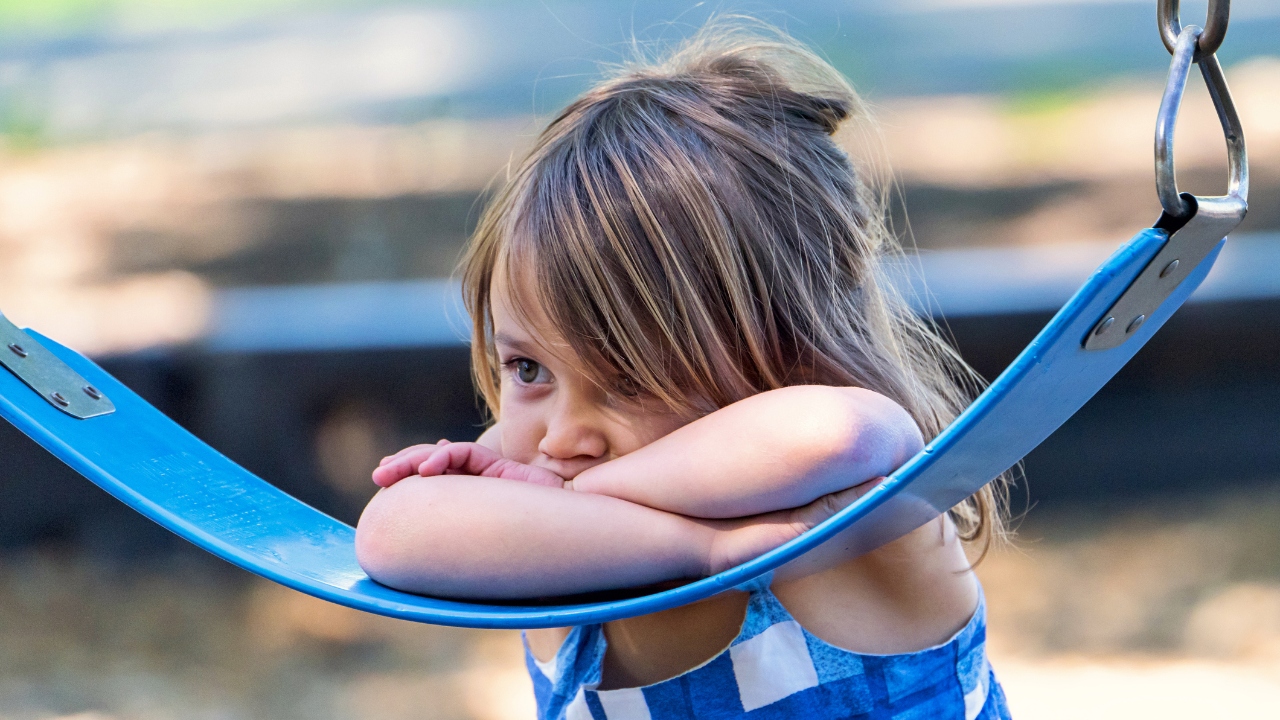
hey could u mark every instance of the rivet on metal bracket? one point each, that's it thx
(1192, 242)
(51, 378)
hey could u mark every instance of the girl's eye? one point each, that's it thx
(626, 387)
(527, 371)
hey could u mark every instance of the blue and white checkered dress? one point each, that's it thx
(777, 669)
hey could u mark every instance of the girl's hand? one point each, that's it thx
(446, 458)
(394, 468)
(472, 459)
(747, 538)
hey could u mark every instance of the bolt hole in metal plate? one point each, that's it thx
(1213, 218)
(1195, 224)
(49, 377)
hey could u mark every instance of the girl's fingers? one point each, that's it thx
(473, 459)
(459, 459)
(438, 462)
(426, 447)
(741, 539)
(815, 513)
(535, 475)
(412, 448)
(397, 467)
(465, 458)
(388, 475)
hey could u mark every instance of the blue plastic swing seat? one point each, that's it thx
(164, 472)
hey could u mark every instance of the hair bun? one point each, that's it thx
(827, 113)
(769, 82)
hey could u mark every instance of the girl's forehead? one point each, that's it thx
(518, 317)
(514, 302)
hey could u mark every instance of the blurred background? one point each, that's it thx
(249, 211)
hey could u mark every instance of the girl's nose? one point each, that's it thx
(572, 433)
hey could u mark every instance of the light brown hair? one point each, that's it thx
(699, 237)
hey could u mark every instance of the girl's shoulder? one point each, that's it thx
(908, 594)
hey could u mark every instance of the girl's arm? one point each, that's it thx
(780, 449)
(480, 537)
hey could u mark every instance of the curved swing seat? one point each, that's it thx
(112, 436)
(164, 472)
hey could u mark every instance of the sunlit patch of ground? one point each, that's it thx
(81, 640)
(1092, 687)
(1168, 610)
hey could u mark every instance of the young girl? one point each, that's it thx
(684, 333)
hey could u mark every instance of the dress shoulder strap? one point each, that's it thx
(764, 610)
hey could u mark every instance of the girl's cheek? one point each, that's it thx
(661, 424)
(520, 437)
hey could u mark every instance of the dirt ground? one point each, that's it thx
(1168, 608)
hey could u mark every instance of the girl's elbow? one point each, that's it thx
(411, 537)
(389, 548)
(887, 435)
(864, 428)
(375, 540)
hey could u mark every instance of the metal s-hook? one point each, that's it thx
(1196, 225)
(1215, 25)
(1166, 180)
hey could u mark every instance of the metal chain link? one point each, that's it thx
(1215, 25)
(1193, 45)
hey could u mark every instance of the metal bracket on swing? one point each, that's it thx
(1196, 224)
(48, 376)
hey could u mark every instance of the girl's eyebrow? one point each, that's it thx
(501, 338)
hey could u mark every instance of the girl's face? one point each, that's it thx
(552, 415)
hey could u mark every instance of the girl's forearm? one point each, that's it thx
(462, 536)
(779, 449)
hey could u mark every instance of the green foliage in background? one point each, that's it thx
(1049, 100)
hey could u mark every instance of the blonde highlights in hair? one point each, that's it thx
(699, 237)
